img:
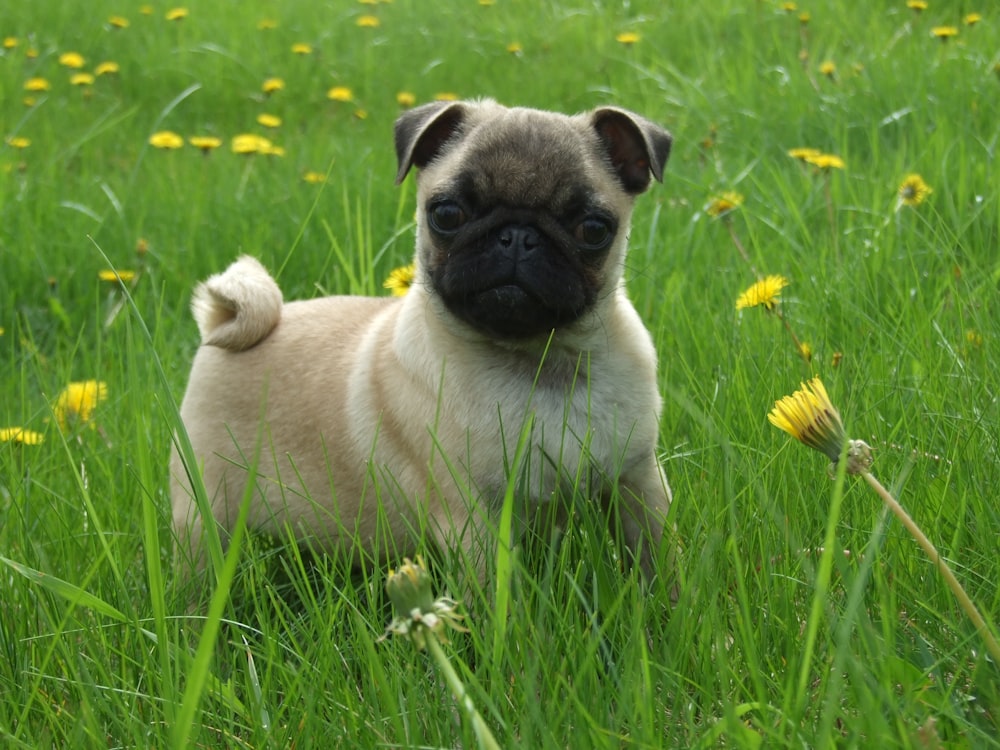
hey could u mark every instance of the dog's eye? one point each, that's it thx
(594, 233)
(446, 217)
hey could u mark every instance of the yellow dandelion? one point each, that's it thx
(20, 435)
(446, 96)
(146, 10)
(71, 60)
(804, 18)
(113, 276)
(269, 121)
(828, 68)
(272, 84)
(301, 48)
(400, 280)
(248, 143)
(789, 7)
(176, 14)
(267, 24)
(913, 190)
(77, 402)
(944, 33)
(916, 5)
(31, 53)
(809, 417)
(805, 351)
(118, 22)
(515, 48)
(166, 139)
(340, 94)
(18, 141)
(628, 38)
(81, 79)
(803, 153)
(367, 22)
(314, 178)
(106, 68)
(10, 42)
(724, 203)
(37, 84)
(406, 99)
(205, 142)
(972, 19)
(825, 161)
(764, 292)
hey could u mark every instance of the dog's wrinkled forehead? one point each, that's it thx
(533, 161)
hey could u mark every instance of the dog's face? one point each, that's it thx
(523, 214)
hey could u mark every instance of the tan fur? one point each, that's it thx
(386, 416)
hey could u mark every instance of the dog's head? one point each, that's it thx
(523, 214)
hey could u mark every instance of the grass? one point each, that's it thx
(899, 308)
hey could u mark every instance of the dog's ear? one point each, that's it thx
(422, 132)
(635, 146)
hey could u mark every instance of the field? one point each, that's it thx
(806, 616)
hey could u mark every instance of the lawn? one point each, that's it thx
(806, 615)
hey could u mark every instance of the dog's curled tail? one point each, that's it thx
(237, 308)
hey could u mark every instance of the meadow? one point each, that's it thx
(806, 616)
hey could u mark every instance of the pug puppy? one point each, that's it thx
(367, 425)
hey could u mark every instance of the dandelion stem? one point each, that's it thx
(739, 246)
(831, 216)
(484, 736)
(957, 589)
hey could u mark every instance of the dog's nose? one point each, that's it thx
(517, 239)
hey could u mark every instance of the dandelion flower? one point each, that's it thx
(944, 33)
(825, 161)
(400, 280)
(272, 84)
(111, 275)
(176, 14)
(77, 402)
(789, 7)
(828, 68)
(267, 24)
(205, 142)
(301, 48)
(809, 417)
(81, 79)
(913, 190)
(248, 143)
(367, 22)
(37, 84)
(10, 42)
(723, 204)
(118, 22)
(406, 99)
(340, 94)
(764, 293)
(314, 178)
(628, 38)
(71, 60)
(412, 597)
(916, 5)
(805, 351)
(166, 139)
(972, 19)
(269, 121)
(446, 96)
(20, 435)
(18, 141)
(803, 153)
(515, 48)
(106, 68)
